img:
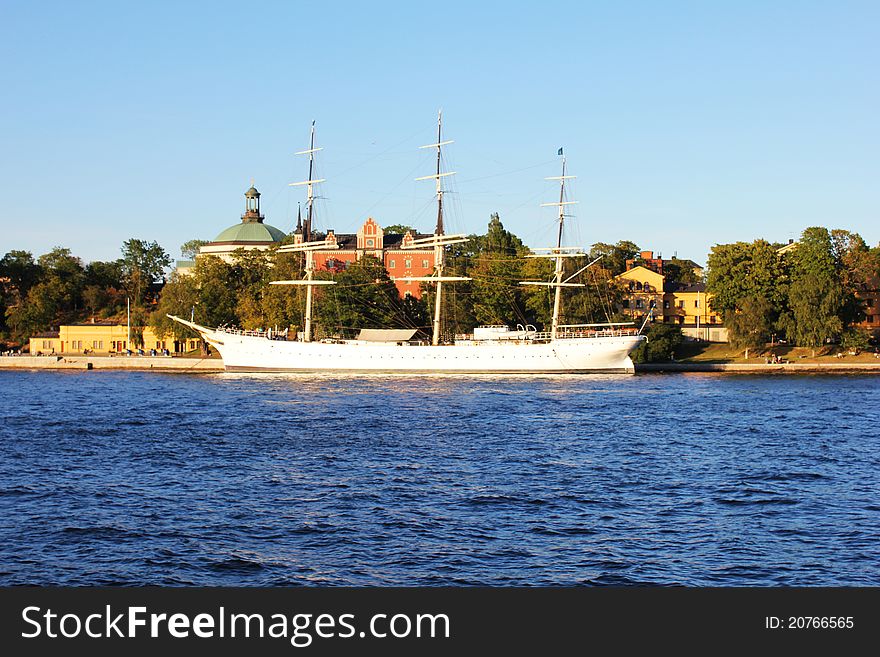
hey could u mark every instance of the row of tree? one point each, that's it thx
(810, 293)
(57, 288)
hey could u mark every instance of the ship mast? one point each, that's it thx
(558, 253)
(306, 246)
(439, 240)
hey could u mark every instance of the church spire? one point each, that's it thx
(299, 219)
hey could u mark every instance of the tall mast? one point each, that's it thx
(310, 196)
(558, 253)
(306, 246)
(439, 240)
(440, 142)
(557, 297)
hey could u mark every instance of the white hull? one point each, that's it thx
(250, 353)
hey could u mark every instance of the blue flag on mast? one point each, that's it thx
(560, 152)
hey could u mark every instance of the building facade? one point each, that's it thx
(686, 305)
(103, 338)
(387, 249)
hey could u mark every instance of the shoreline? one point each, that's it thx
(761, 368)
(181, 364)
(153, 363)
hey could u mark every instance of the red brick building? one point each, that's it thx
(372, 240)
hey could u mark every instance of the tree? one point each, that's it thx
(661, 344)
(497, 270)
(859, 268)
(680, 271)
(820, 305)
(103, 293)
(18, 273)
(190, 249)
(751, 326)
(55, 299)
(614, 256)
(749, 286)
(142, 264)
(180, 296)
(364, 297)
(398, 229)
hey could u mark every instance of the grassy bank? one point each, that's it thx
(696, 352)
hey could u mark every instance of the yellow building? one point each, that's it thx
(687, 305)
(102, 338)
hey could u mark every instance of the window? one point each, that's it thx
(425, 264)
(407, 263)
(696, 303)
(97, 344)
(626, 303)
(666, 305)
(870, 319)
(638, 303)
(681, 304)
(371, 242)
(653, 303)
(391, 264)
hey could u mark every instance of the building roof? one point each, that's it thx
(672, 286)
(47, 334)
(252, 193)
(250, 232)
(348, 241)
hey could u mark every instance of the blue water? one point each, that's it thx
(146, 478)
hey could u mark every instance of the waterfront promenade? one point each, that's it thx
(158, 363)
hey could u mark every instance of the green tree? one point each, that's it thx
(37, 312)
(661, 344)
(143, 263)
(820, 307)
(751, 326)
(103, 293)
(614, 256)
(18, 273)
(398, 229)
(180, 296)
(364, 297)
(681, 271)
(497, 270)
(190, 249)
(747, 278)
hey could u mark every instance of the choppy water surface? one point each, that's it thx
(146, 478)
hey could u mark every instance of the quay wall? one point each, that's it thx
(158, 363)
(763, 368)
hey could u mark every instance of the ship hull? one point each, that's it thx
(248, 353)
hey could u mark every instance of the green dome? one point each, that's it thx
(251, 232)
(252, 193)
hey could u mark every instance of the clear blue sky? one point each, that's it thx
(687, 123)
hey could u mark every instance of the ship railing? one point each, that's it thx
(547, 336)
(271, 335)
(597, 333)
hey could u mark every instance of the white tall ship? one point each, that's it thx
(490, 349)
